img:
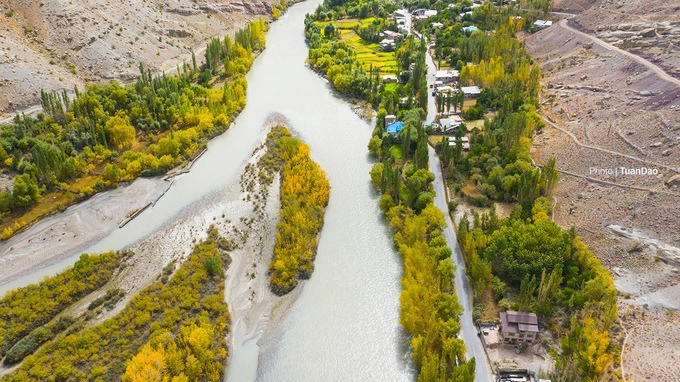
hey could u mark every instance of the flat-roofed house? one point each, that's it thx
(518, 326)
(471, 91)
(446, 76)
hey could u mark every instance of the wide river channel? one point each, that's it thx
(345, 324)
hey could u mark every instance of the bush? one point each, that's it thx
(212, 265)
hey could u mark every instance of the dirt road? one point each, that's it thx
(564, 23)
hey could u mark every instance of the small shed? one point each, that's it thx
(389, 119)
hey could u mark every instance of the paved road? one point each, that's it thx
(468, 331)
(659, 72)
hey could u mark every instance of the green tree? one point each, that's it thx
(25, 191)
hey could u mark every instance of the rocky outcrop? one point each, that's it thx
(247, 7)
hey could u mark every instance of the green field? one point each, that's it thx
(366, 53)
(369, 54)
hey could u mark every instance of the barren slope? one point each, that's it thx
(55, 44)
(610, 111)
(647, 28)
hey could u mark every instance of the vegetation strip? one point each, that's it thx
(524, 262)
(174, 329)
(25, 309)
(304, 196)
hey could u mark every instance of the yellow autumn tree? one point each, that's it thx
(147, 366)
(120, 133)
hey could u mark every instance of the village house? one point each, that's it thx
(423, 14)
(465, 141)
(400, 13)
(469, 30)
(390, 79)
(446, 76)
(540, 24)
(446, 89)
(391, 34)
(518, 327)
(387, 45)
(471, 91)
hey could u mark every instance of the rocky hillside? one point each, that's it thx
(56, 44)
(647, 28)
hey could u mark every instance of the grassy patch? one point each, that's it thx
(435, 139)
(470, 190)
(396, 152)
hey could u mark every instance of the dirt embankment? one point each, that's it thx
(612, 114)
(56, 44)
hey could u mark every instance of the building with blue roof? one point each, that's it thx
(395, 127)
(469, 29)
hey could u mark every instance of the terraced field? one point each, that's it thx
(366, 53)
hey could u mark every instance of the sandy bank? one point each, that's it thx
(59, 236)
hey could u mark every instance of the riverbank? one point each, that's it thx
(52, 239)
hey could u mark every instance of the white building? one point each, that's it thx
(387, 44)
(389, 119)
(470, 91)
(540, 24)
(445, 89)
(450, 124)
(390, 79)
(446, 76)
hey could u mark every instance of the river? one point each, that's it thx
(345, 323)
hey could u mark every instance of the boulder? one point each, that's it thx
(650, 32)
(673, 181)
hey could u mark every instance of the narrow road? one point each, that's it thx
(659, 72)
(468, 331)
